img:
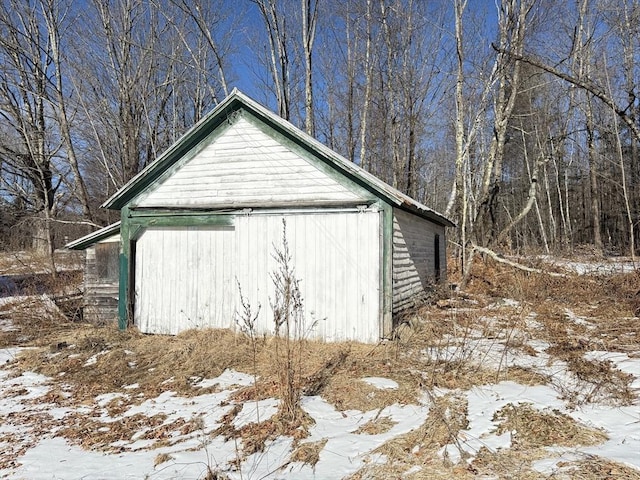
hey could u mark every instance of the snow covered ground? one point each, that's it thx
(36, 440)
(46, 455)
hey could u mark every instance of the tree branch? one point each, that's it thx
(519, 266)
(586, 85)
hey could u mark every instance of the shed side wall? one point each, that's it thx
(414, 259)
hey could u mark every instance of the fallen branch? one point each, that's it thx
(519, 266)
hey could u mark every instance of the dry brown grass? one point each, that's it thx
(614, 295)
(34, 320)
(447, 416)
(376, 426)
(93, 434)
(596, 468)
(532, 428)
(162, 458)
(29, 262)
(157, 363)
(254, 436)
(508, 464)
(308, 453)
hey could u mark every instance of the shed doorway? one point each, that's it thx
(184, 279)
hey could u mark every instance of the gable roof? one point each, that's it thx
(225, 110)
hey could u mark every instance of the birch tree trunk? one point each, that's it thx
(309, 21)
(366, 103)
(276, 29)
(512, 25)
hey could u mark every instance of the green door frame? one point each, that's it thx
(133, 225)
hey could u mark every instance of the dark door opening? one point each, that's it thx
(436, 258)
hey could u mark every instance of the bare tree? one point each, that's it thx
(309, 22)
(133, 66)
(54, 13)
(214, 27)
(28, 149)
(274, 16)
(512, 24)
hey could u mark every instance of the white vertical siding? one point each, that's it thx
(414, 258)
(246, 167)
(184, 279)
(336, 258)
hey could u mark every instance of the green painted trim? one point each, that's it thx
(123, 285)
(135, 231)
(185, 220)
(387, 270)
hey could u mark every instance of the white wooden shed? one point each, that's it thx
(207, 216)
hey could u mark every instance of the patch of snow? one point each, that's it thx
(206, 407)
(578, 320)
(345, 451)
(69, 462)
(622, 426)
(483, 403)
(412, 470)
(381, 383)
(92, 360)
(450, 452)
(9, 354)
(104, 399)
(251, 411)
(549, 465)
(207, 382)
(531, 322)
(230, 378)
(606, 267)
(7, 325)
(504, 302)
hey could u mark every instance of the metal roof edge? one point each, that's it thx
(171, 154)
(94, 237)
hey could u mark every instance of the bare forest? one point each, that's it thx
(518, 119)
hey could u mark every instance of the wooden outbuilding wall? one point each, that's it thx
(101, 280)
(419, 259)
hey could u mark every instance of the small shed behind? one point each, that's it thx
(101, 273)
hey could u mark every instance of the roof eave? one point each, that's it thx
(184, 143)
(94, 237)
